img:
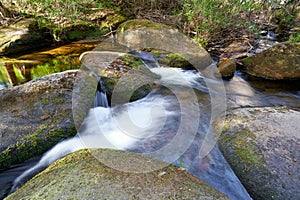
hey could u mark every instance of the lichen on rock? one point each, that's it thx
(261, 145)
(280, 62)
(35, 116)
(81, 176)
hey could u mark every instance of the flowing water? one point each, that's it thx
(159, 116)
(148, 125)
(245, 91)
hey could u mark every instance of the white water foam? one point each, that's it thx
(125, 126)
(119, 127)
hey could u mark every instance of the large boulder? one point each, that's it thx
(22, 36)
(112, 62)
(141, 34)
(262, 147)
(35, 116)
(280, 62)
(81, 176)
(115, 61)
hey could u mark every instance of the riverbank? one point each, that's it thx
(232, 43)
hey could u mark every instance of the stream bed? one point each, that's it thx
(242, 91)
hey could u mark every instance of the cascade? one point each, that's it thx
(100, 96)
(146, 125)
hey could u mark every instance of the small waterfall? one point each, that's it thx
(148, 124)
(63, 148)
(100, 96)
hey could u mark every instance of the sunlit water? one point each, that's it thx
(243, 90)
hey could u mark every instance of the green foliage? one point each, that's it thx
(61, 12)
(3, 75)
(210, 16)
(19, 75)
(284, 11)
(295, 38)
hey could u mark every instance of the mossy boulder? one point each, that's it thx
(134, 24)
(35, 116)
(165, 58)
(280, 62)
(98, 25)
(144, 34)
(22, 36)
(81, 176)
(117, 67)
(262, 147)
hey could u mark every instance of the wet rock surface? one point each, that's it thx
(22, 36)
(262, 147)
(280, 62)
(227, 67)
(141, 34)
(81, 176)
(35, 116)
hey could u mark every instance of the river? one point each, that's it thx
(241, 91)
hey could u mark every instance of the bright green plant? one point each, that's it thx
(19, 75)
(295, 38)
(4, 79)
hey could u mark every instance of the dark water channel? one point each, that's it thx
(9, 175)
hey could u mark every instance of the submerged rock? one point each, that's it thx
(262, 147)
(81, 176)
(15, 71)
(35, 116)
(280, 62)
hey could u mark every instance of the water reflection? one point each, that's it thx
(17, 70)
(16, 73)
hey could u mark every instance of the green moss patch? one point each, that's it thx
(243, 146)
(36, 143)
(81, 176)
